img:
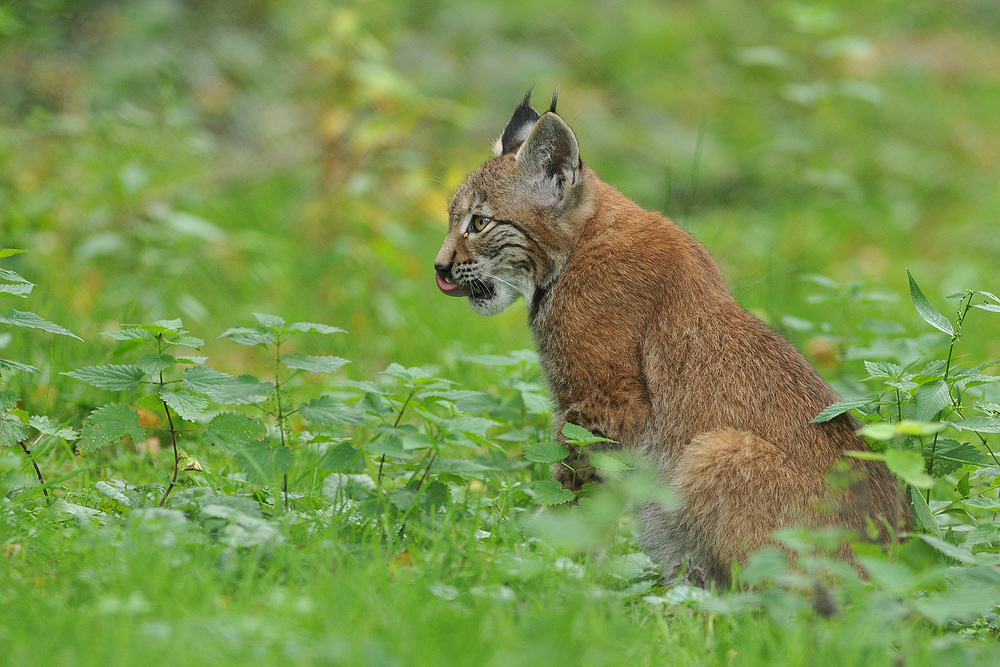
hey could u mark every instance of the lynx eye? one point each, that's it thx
(480, 222)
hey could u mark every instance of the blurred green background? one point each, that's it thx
(206, 160)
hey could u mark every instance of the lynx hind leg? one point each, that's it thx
(734, 490)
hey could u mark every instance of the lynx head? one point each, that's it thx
(510, 223)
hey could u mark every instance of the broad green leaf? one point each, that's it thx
(535, 402)
(550, 492)
(607, 462)
(408, 375)
(882, 369)
(108, 425)
(32, 321)
(113, 377)
(923, 512)
(7, 274)
(580, 436)
(8, 365)
(50, 426)
(366, 386)
(312, 327)
(928, 312)
(991, 307)
(270, 320)
(189, 406)
(328, 410)
(909, 466)
(245, 336)
(230, 431)
(843, 406)
(547, 451)
(8, 400)
(930, 399)
(153, 363)
(978, 424)
(8, 252)
(313, 364)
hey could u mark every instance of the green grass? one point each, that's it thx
(205, 160)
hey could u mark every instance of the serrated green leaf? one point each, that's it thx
(928, 312)
(18, 289)
(8, 365)
(128, 334)
(882, 369)
(32, 321)
(840, 408)
(12, 429)
(270, 320)
(172, 326)
(961, 452)
(113, 377)
(7, 274)
(578, 435)
(188, 341)
(366, 386)
(547, 451)
(242, 390)
(886, 431)
(328, 410)
(230, 431)
(50, 426)
(108, 425)
(981, 503)
(978, 424)
(930, 399)
(153, 363)
(114, 493)
(313, 364)
(549, 492)
(245, 336)
(608, 462)
(189, 406)
(312, 327)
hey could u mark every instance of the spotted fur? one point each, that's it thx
(642, 343)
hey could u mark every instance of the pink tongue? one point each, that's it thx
(446, 286)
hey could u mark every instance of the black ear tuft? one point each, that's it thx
(555, 98)
(519, 125)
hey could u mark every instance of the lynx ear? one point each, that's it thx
(518, 127)
(551, 156)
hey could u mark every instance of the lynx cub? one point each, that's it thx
(642, 343)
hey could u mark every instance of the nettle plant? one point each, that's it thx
(931, 421)
(32, 434)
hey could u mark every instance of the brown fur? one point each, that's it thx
(642, 343)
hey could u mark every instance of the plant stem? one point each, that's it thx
(38, 472)
(963, 309)
(399, 418)
(281, 415)
(177, 458)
